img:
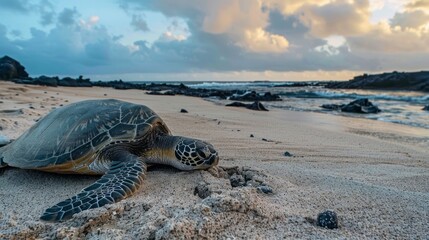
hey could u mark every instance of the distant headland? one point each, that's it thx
(410, 81)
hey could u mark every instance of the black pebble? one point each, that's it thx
(327, 219)
(183, 110)
(251, 135)
(237, 180)
(202, 190)
(265, 189)
(287, 154)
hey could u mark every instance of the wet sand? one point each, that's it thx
(374, 175)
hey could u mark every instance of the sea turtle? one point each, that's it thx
(111, 137)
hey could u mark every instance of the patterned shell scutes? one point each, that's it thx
(81, 129)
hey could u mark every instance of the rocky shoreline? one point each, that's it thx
(12, 70)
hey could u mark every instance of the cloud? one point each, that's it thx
(418, 4)
(69, 48)
(258, 40)
(44, 8)
(47, 12)
(406, 32)
(238, 20)
(139, 23)
(169, 36)
(21, 6)
(68, 16)
(337, 18)
(410, 19)
(383, 39)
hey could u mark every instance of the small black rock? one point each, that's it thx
(426, 108)
(287, 154)
(183, 110)
(251, 135)
(257, 106)
(202, 190)
(265, 189)
(237, 180)
(327, 219)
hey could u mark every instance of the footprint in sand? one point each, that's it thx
(12, 112)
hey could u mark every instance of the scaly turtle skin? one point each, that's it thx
(110, 137)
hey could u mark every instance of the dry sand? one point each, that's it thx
(374, 175)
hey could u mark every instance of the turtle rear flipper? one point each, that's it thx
(124, 176)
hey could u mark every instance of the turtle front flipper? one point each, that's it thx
(124, 176)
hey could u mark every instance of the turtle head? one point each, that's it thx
(190, 154)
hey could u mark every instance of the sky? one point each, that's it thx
(222, 40)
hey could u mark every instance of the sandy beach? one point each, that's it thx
(374, 175)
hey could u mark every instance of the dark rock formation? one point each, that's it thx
(183, 110)
(46, 81)
(257, 106)
(236, 104)
(334, 107)
(362, 105)
(165, 93)
(10, 69)
(426, 108)
(254, 96)
(56, 81)
(118, 84)
(71, 82)
(413, 81)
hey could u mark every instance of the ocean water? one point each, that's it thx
(403, 107)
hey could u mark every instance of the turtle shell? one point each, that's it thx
(80, 130)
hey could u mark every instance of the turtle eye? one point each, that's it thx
(201, 153)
